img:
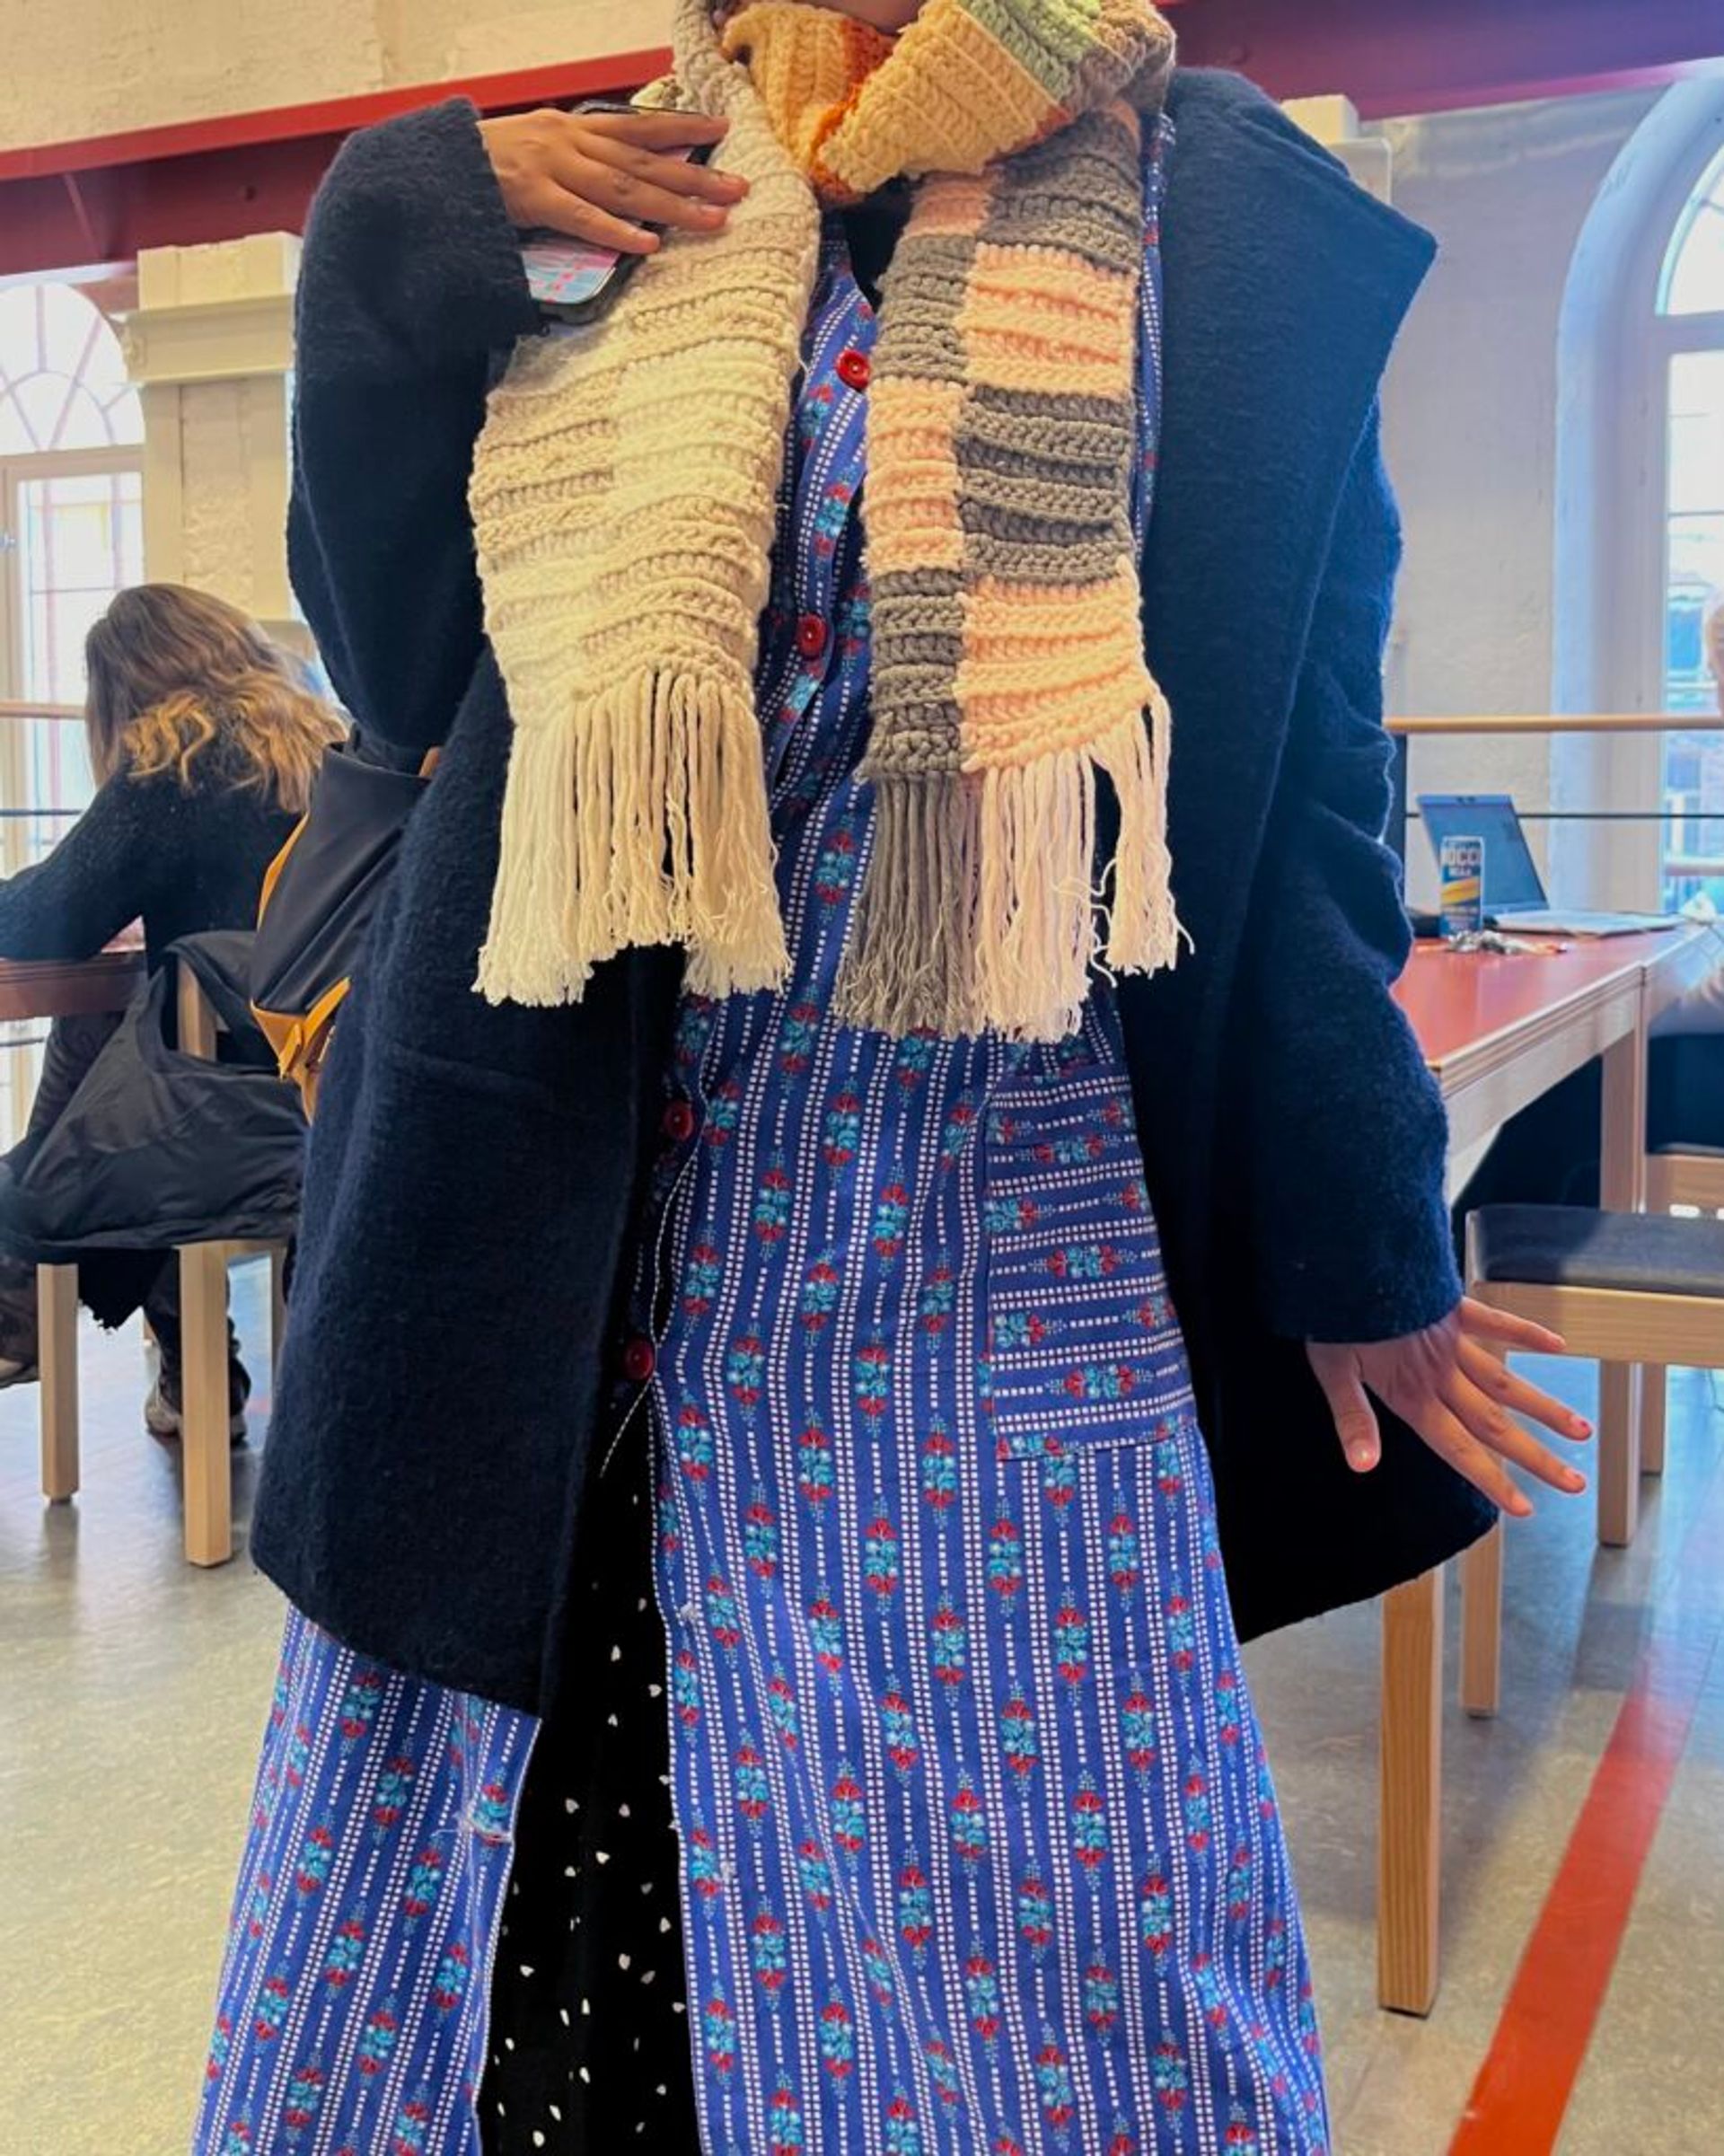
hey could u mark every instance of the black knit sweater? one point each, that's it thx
(183, 857)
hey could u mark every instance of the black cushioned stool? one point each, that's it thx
(1676, 1175)
(1640, 1289)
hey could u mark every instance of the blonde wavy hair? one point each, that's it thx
(172, 671)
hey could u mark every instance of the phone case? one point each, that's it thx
(564, 275)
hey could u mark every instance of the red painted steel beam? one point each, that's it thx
(69, 205)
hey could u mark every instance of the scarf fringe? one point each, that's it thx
(977, 912)
(1143, 929)
(639, 819)
(635, 807)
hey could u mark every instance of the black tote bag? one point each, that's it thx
(157, 1148)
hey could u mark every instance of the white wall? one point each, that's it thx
(1471, 416)
(79, 67)
(425, 41)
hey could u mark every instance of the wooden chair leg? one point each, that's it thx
(277, 1303)
(1410, 1824)
(1481, 1625)
(203, 1441)
(1655, 1397)
(1619, 1453)
(56, 1345)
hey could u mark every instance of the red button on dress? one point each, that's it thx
(679, 1122)
(856, 368)
(639, 1361)
(811, 636)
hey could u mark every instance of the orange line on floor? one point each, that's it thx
(1523, 2089)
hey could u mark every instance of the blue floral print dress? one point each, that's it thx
(979, 1850)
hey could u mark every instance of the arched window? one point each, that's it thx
(61, 378)
(71, 534)
(1640, 512)
(1689, 336)
(1694, 269)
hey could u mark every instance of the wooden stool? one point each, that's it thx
(207, 1465)
(206, 1442)
(1685, 1175)
(204, 1420)
(1628, 1289)
(1641, 1291)
(56, 1356)
(1674, 1176)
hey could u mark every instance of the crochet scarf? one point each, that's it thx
(624, 496)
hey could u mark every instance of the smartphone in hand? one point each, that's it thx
(573, 280)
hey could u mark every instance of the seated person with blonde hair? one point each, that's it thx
(204, 739)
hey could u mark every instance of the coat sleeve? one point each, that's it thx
(411, 282)
(1348, 1135)
(100, 877)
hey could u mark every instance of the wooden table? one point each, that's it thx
(1499, 1033)
(64, 989)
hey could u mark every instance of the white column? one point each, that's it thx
(1334, 121)
(210, 347)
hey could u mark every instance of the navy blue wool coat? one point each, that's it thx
(451, 1365)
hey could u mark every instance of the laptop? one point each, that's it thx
(1515, 897)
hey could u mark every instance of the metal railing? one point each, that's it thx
(1683, 866)
(1561, 722)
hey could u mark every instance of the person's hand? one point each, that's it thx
(1450, 1385)
(591, 174)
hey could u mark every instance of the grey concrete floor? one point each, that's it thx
(134, 1692)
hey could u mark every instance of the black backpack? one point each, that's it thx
(320, 896)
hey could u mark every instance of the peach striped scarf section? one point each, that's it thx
(625, 513)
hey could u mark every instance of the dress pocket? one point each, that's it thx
(1084, 1347)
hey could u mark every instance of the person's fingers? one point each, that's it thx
(625, 194)
(1494, 1376)
(546, 205)
(1479, 1321)
(653, 168)
(648, 130)
(1442, 1429)
(1336, 1370)
(1491, 1424)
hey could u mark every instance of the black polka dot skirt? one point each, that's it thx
(588, 2051)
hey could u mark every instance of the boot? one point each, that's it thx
(165, 1409)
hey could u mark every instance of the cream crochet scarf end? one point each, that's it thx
(624, 502)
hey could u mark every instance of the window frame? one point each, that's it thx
(19, 471)
(1707, 193)
(1637, 344)
(1667, 338)
(101, 331)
